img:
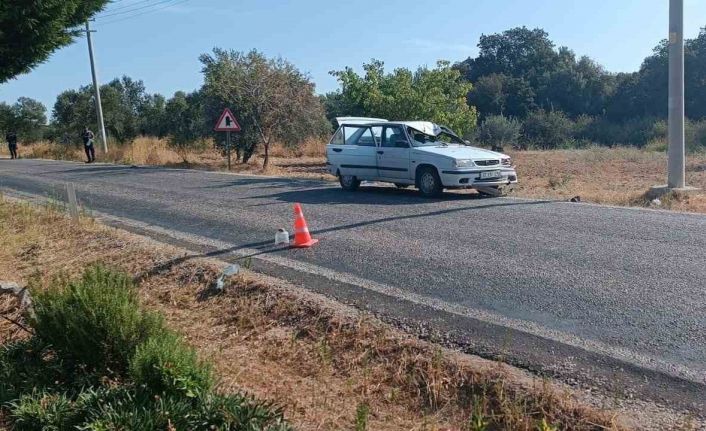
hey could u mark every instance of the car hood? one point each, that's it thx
(460, 152)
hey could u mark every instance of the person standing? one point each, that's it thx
(88, 145)
(11, 138)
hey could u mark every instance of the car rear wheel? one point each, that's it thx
(349, 182)
(429, 182)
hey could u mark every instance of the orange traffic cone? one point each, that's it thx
(302, 238)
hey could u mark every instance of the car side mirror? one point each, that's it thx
(402, 144)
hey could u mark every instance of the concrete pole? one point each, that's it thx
(99, 106)
(676, 164)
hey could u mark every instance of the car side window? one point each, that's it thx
(351, 134)
(392, 135)
(364, 139)
(338, 137)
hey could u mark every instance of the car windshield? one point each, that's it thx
(420, 139)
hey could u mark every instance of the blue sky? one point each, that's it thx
(162, 47)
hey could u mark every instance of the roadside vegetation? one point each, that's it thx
(100, 353)
(521, 91)
(95, 360)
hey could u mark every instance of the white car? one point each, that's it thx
(414, 153)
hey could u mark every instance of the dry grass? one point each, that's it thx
(330, 369)
(617, 176)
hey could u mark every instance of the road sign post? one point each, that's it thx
(227, 123)
(228, 147)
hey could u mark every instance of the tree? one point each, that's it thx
(518, 52)
(27, 117)
(437, 95)
(272, 99)
(519, 71)
(154, 116)
(645, 93)
(498, 94)
(32, 30)
(126, 108)
(184, 120)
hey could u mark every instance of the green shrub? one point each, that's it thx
(95, 322)
(24, 366)
(497, 131)
(548, 130)
(166, 365)
(696, 135)
(40, 411)
(56, 379)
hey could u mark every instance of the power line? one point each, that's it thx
(125, 6)
(139, 14)
(137, 8)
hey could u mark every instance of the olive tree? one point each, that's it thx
(272, 99)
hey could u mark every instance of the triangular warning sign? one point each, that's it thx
(227, 122)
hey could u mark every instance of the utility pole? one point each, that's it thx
(676, 150)
(676, 165)
(99, 106)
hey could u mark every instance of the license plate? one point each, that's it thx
(489, 174)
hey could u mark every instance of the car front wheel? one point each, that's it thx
(349, 182)
(429, 182)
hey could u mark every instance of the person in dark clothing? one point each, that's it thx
(88, 145)
(11, 138)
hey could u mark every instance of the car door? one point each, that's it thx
(393, 154)
(357, 155)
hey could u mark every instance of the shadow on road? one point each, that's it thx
(367, 195)
(266, 247)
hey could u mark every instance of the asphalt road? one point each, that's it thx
(564, 285)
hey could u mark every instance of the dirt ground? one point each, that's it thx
(327, 365)
(612, 176)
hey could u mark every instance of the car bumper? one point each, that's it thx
(472, 177)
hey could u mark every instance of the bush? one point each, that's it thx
(41, 411)
(95, 322)
(84, 329)
(636, 132)
(165, 365)
(548, 130)
(497, 131)
(696, 135)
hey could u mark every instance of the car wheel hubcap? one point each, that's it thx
(347, 180)
(428, 182)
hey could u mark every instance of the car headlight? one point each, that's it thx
(463, 163)
(507, 162)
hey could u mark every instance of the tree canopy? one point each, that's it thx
(272, 99)
(127, 108)
(437, 95)
(26, 117)
(31, 30)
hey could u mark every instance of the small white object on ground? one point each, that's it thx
(281, 237)
(656, 202)
(227, 272)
